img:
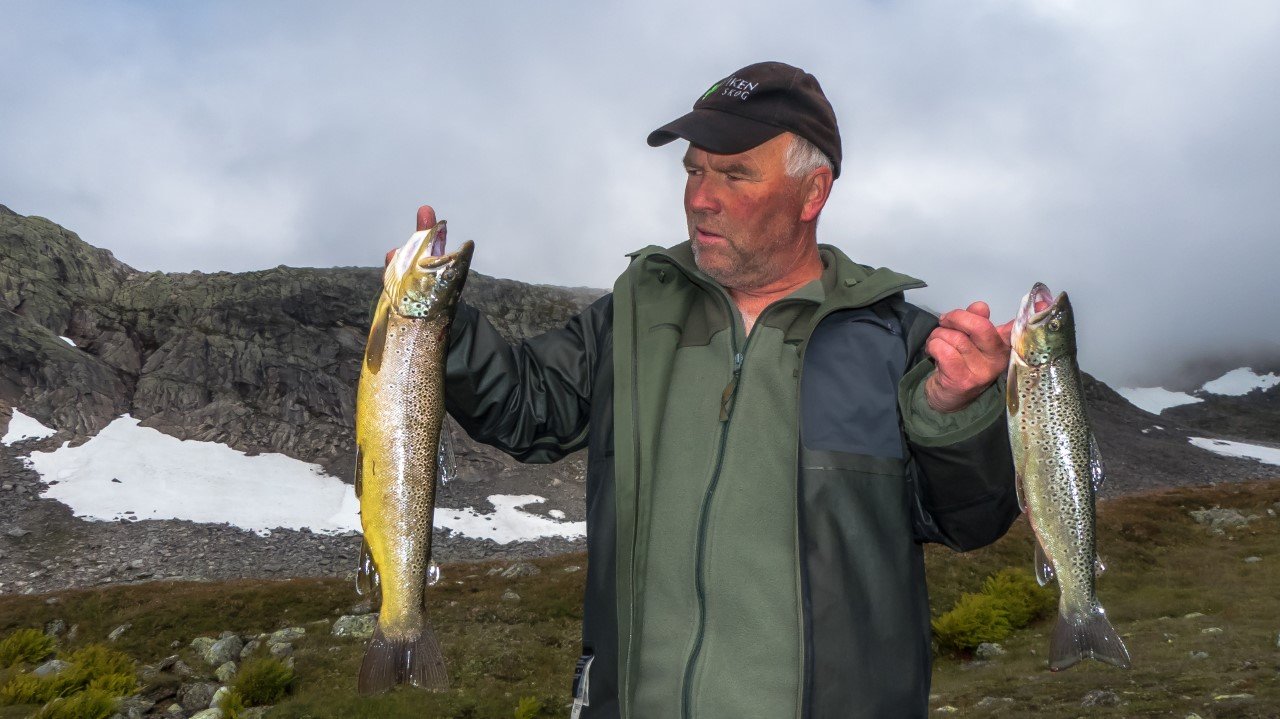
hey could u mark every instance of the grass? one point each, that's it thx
(514, 658)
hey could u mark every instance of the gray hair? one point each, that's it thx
(803, 157)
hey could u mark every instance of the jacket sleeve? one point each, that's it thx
(962, 462)
(531, 400)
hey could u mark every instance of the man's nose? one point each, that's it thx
(700, 197)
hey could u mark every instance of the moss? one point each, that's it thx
(26, 646)
(528, 708)
(262, 681)
(975, 619)
(1020, 595)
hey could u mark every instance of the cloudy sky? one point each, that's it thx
(1128, 152)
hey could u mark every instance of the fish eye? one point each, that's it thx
(1055, 324)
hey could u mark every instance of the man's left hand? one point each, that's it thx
(970, 353)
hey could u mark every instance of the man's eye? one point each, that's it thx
(693, 170)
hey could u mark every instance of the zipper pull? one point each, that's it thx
(726, 398)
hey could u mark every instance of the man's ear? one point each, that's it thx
(817, 188)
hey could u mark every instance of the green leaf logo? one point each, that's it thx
(708, 92)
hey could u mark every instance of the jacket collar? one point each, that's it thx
(844, 283)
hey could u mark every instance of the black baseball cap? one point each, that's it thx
(754, 105)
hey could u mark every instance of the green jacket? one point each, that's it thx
(755, 506)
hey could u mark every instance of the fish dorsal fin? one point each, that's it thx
(368, 581)
(1044, 568)
(1095, 464)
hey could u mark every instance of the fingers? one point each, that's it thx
(391, 255)
(978, 327)
(426, 217)
(980, 308)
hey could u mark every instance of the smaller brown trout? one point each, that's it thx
(1059, 471)
(399, 411)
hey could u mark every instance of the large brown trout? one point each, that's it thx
(399, 411)
(1059, 471)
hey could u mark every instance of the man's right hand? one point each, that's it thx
(426, 220)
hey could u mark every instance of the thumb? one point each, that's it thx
(1005, 331)
(426, 217)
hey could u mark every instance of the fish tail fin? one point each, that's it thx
(1085, 636)
(416, 661)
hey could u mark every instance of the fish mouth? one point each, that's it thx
(1028, 317)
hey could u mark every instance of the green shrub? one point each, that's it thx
(26, 689)
(25, 646)
(112, 669)
(232, 705)
(528, 708)
(1020, 595)
(116, 685)
(88, 704)
(262, 681)
(975, 619)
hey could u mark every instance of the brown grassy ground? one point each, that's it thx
(1162, 567)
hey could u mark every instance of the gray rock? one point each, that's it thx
(1219, 520)
(115, 633)
(175, 710)
(946, 709)
(1252, 560)
(254, 712)
(355, 627)
(212, 713)
(219, 697)
(1211, 630)
(55, 627)
(1199, 655)
(50, 668)
(520, 569)
(249, 648)
(291, 634)
(225, 672)
(224, 650)
(281, 650)
(989, 650)
(182, 669)
(994, 703)
(18, 532)
(575, 568)
(1100, 698)
(201, 644)
(510, 596)
(134, 707)
(196, 696)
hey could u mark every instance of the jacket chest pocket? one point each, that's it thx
(849, 391)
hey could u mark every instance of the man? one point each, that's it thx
(772, 432)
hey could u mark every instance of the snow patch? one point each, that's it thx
(68, 340)
(1155, 399)
(1240, 382)
(1266, 455)
(132, 472)
(135, 472)
(23, 427)
(507, 524)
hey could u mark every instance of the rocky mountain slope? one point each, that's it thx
(263, 361)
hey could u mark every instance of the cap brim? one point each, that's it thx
(720, 132)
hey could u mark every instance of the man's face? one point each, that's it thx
(744, 214)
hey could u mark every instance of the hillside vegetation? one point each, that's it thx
(1198, 610)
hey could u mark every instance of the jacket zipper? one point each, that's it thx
(726, 413)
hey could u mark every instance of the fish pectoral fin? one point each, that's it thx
(1096, 471)
(377, 341)
(368, 581)
(1017, 487)
(359, 478)
(1044, 568)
